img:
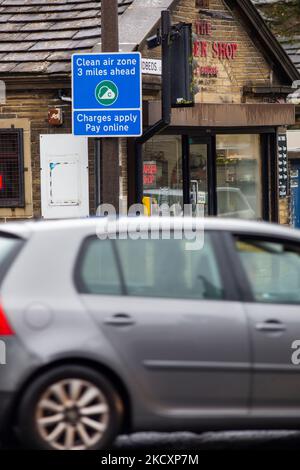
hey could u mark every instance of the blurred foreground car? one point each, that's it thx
(104, 336)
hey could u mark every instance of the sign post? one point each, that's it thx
(107, 94)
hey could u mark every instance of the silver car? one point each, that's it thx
(104, 330)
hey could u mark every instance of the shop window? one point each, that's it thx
(162, 170)
(198, 176)
(239, 190)
(11, 168)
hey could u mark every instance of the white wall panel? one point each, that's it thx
(64, 176)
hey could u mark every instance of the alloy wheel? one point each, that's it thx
(72, 414)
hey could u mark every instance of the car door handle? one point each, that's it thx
(119, 319)
(270, 326)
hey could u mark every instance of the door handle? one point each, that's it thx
(270, 326)
(119, 319)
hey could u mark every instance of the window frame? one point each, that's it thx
(221, 257)
(241, 277)
(20, 201)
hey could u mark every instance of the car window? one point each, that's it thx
(98, 269)
(165, 268)
(272, 268)
(9, 246)
(150, 268)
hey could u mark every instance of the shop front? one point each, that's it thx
(225, 171)
(222, 155)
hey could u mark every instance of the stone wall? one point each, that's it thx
(33, 106)
(248, 67)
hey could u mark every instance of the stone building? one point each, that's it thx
(224, 155)
(36, 43)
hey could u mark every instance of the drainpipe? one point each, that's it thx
(165, 120)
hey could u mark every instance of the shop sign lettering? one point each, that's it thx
(203, 28)
(206, 71)
(219, 49)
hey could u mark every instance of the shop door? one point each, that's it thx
(295, 193)
(197, 176)
(162, 175)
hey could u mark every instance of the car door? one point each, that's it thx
(270, 274)
(181, 337)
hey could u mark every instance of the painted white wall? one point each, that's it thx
(64, 176)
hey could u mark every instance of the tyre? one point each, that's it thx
(70, 408)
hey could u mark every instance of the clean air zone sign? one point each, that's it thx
(107, 94)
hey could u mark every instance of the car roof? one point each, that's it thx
(96, 224)
(18, 229)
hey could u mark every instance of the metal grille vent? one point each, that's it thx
(11, 168)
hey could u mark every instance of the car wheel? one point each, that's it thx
(70, 408)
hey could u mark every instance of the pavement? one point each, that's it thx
(229, 440)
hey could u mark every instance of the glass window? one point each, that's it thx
(164, 268)
(198, 177)
(273, 269)
(7, 245)
(239, 191)
(98, 270)
(151, 268)
(162, 170)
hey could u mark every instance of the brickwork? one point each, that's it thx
(34, 107)
(248, 67)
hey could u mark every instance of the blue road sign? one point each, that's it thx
(107, 94)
